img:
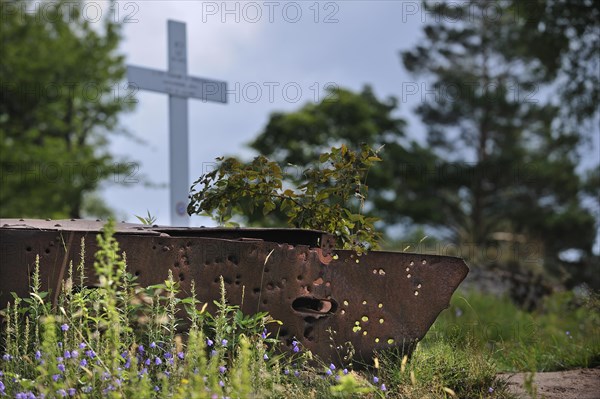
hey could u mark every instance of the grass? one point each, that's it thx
(563, 334)
(121, 340)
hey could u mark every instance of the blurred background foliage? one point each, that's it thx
(60, 102)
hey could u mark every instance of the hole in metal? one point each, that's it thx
(307, 304)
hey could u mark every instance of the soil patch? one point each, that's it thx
(571, 384)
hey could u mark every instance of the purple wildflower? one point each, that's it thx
(62, 392)
(74, 353)
(221, 383)
(55, 377)
(157, 361)
(180, 355)
(38, 355)
(224, 342)
(331, 366)
(266, 357)
(490, 389)
(61, 367)
(82, 345)
(83, 363)
(383, 387)
(375, 379)
(71, 391)
(209, 342)
(141, 348)
(67, 355)
(153, 345)
(222, 369)
(65, 327)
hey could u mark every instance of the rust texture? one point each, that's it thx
(325, 297)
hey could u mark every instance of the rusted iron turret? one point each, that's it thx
(374, 301)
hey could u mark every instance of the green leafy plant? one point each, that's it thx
(329, 195)
(148, 219)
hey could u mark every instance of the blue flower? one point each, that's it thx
(153, 345)
(62, 392)
(61, 367)
(345, 371)
(64, 327)
(209, 342)
(6, 357)
(82, 345)
(490, 389)
(141, 348)
(332, 366)
(71, 391)
(55, 377)
(265, 356)
(38, 355)
(67, 355)
(156, 388)
(264, 334)
(329, 372)
(180, 355)
(222, 369)
(224, 342)
(383, 387)
(375, 380)
(157, 361)
(221, 384)
(75, 354)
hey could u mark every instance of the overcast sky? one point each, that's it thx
(294, 48)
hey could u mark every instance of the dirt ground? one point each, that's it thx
(572, 384)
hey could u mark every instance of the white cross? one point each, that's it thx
(180, 87)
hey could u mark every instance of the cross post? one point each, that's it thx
(180, 86)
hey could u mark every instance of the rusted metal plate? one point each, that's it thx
(324, 297)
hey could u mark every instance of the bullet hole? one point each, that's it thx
(313, 305)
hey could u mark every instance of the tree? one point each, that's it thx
(520, 179)
(59, 75)
(398, 187)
